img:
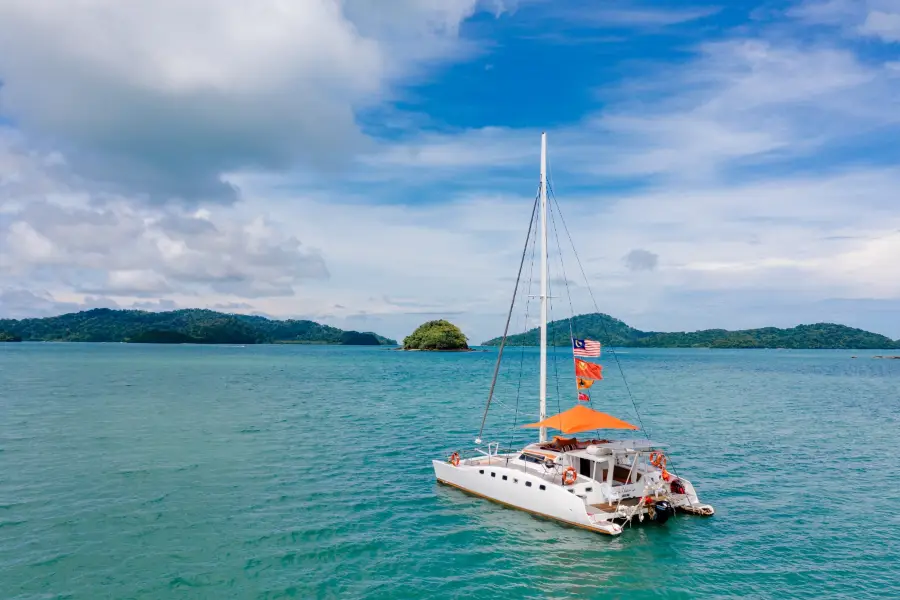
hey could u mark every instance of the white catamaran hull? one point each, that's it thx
(540, 498)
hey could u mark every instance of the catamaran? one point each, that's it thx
(594, 483)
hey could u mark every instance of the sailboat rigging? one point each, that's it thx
(597, 484)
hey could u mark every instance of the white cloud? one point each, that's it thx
(734, 201)
(881, 24)
(161, 97)
(646, 17)
(868, 18)
(711, 239)
(393, 266)
(741, 103)
(113, 246)
(626, 14)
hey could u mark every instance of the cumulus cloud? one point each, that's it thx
(116, 249)
(641, 260)
(113, 246)
(17, 303)
(163, 97)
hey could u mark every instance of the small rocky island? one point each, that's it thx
(440, 336)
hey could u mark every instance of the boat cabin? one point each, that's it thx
(607, 470)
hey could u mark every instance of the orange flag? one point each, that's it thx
(588, 370)
(584, 384)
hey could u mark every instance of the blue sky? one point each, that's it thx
(372, 166)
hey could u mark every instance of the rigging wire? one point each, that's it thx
(527, 293)
(555, 367)
(597, 309)
(562, 266)
(508, 318)
(571, 319)
(637, 413)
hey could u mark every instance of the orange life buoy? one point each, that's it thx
(574, 476)
(658, 459)
(454, 459)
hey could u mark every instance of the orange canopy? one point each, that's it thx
(582, 418)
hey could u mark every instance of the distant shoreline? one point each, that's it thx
(184, 326)
(471, 349)
(612, 332)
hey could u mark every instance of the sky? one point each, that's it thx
(373, 165)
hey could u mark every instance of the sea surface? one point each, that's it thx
(142, 471)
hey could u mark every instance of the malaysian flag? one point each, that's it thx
(585, 348)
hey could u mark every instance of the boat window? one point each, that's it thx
(543, 487)
(515, 480)
(584, 467)
(527, 484)
(589, 489)
(620, 474)
(481, 471)
(531, 458)
(493, 474)
(504, 478)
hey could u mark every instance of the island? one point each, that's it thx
(440, 335)
(5, 336)
(187, 326)
(613, 332)
(355, 338)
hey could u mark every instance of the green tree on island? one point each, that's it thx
(436, 335)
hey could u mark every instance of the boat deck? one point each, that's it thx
(608, 507)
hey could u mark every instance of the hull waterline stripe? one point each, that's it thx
(533, 512)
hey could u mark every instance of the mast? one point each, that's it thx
(543, 384)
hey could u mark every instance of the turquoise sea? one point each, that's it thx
(130, 471)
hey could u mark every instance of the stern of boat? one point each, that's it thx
(688, 501)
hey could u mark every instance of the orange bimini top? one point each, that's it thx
(582, 418)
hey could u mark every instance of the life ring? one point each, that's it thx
(570, 471)
(454, 459)
(658, 459)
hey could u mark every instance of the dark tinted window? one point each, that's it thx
(530, 458)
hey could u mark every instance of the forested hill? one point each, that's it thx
(179, 326)
(617, 333)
